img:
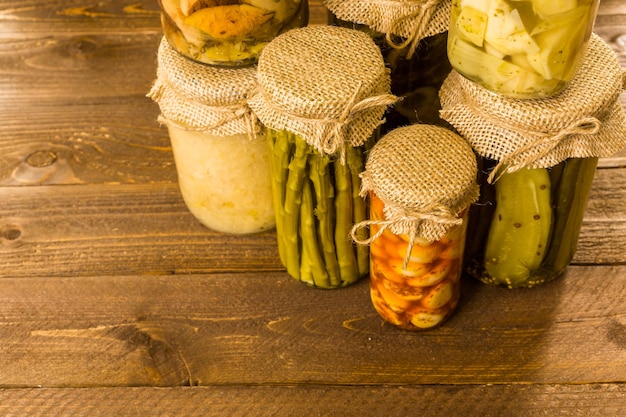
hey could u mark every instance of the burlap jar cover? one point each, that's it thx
(412, 20)
(198, 97)
(585, 120)
(425, 176)
(327, 84)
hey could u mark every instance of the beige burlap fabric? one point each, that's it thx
(412, 20)
(584, 120)
(426, 177)
(198, 97)
(327, 84)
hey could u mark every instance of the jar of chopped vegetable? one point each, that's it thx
(228, 32)
(322, 94)
(412, 36)
(421, 180)
(222, 160)
(520, 48)
(537, 163)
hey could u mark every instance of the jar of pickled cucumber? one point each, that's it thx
(228, 32)
(322, 94)
(412, 36)
(537, 161)
(520, 48)
(221, 156)
(421, 180)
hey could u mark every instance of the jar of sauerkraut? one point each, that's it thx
(228, 32)
(537, 161)
(222, 160)
(412, 36)
(520, 48)
(421, 180)
(323, 91)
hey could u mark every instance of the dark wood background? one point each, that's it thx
(115, 301)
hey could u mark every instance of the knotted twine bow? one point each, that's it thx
(542, 146)
(403, 221)
(422, 14)
(335, 135)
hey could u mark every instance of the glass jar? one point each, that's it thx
(221, 157)
(425, 292)
(319, 127)
(224, 180)
(421, 180)
(520, 48)
(524, 229)
(418, 66)
(228, 32)
(537, 160)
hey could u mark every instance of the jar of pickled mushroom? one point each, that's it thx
(221, 156)
(322, 94)
(421, 180)
(537, 161)
(412, 36)
(228, 32)
(520, 48)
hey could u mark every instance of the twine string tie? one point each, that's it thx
(422, 14)
(542, 146)
(400, 220)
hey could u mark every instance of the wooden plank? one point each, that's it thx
(605, 220)
(78, 112)
(147, 229)
(96, 143)
(594, 400)
(92, 230)
(50, 16)
(251, 329)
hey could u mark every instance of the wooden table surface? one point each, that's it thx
(115, 301)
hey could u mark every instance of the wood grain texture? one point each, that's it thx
(268, 329)
(594, 400)
(114, 300)
(81, 230)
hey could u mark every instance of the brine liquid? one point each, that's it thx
(427, 291)
(520, 48)
(228, 32)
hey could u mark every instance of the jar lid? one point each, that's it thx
(199, 97)
(584, 120)
(413, 20)
(426, 177)
(327, 84)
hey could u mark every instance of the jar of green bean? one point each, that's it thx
(323, 91)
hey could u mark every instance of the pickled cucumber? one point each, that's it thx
(520, 229)
(570, 202)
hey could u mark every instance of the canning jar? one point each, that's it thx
(322, 94)
(228, 32)
(537, 161)
(421, 180)
(520, 48)
(412, 37)
(525, 227)
(222, 159)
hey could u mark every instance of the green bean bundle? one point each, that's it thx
(316, 201)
